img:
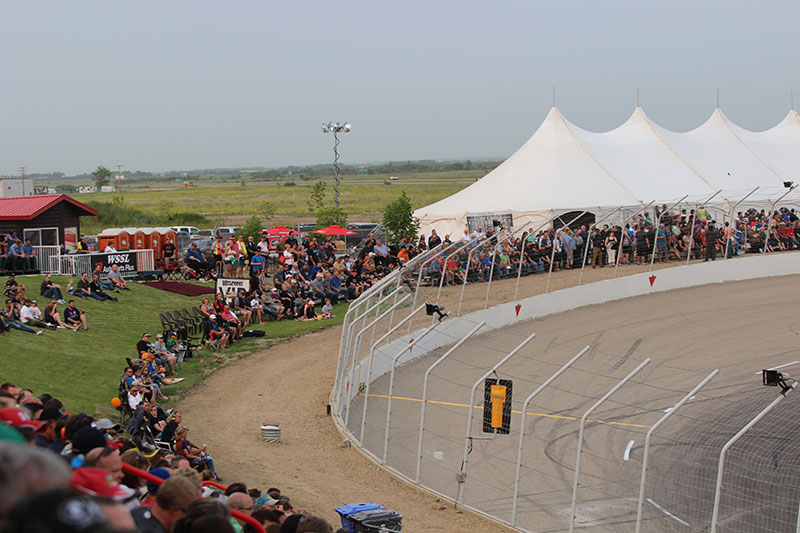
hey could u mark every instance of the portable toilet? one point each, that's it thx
(125, 238)
(140, 239)
(154, 242)
(108, 236)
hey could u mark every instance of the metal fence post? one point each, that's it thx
(478, 244)
(589, 241)
(369, 367)
(645, 453)
(425, 394)
(522, 253)
(694, 223)
(391, 385)
(655, 234)
(580, 438)
(468, 440)
(522, 428)
(357, 348)
(622, 237)
(745, 429)
(733, 223)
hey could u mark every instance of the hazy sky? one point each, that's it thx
(191, 84)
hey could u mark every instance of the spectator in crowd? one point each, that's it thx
(50, 289)
(168, 251)
(195, 259)
(115, 278)
(13, 290)
(173, 497)
(52, 316)
(74, 317)
(31, 315)
(206, 515)
(195, 454)
(214, 332)
(10, 315)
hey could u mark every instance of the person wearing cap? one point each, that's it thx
(214, 332)
(46, 435)
(164, 356)
(19, 420)
(13, 290)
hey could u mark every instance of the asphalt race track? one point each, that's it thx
(738, 328)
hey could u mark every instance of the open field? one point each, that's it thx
(83, 368)
(230, 202)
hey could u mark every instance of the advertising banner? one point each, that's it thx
(126, 262)
(230, 286)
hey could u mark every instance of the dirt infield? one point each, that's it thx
(290, 384)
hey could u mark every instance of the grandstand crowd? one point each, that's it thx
(63, 472)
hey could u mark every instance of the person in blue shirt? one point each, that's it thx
(16, 259)
(195, 259)
(256, 265)
(30, 257)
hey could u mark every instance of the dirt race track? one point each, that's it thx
(738, 328)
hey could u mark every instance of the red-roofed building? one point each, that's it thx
(49, 220)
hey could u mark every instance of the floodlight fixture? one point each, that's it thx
(788, 184)
(336, 128)
(431, 309)
(773, 378)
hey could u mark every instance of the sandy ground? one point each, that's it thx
(290, 384)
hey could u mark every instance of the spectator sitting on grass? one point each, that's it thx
(116, 280)
(10, 316)
(13, 290)
(51, 316)
(98, 271)
(97, 289)
(31, 315)
(74, 317)
(50, 289)
(327, 309)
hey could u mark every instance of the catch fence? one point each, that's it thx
(406, 394)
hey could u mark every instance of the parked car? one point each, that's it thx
(191, 230)
(226, 231)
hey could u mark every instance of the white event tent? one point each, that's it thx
(563, 168)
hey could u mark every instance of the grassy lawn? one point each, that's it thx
(362, 198)
(83, 368)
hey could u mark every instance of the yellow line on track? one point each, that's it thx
(542, 415)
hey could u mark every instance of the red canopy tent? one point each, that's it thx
(335, 230)
(278, 230)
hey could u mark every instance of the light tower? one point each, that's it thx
(336, 129)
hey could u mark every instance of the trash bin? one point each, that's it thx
(347, 511)
(377, 521)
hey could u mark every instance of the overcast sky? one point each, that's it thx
(192, 84)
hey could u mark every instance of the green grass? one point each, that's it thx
(362, 198)
(83, 369)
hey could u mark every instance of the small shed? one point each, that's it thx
(48, 219)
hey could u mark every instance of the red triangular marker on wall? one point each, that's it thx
(652, 279)
(517, 308)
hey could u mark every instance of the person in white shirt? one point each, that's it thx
(263, 245)
(465, 237)
(109, 249)
(134, 397)
(31, 315)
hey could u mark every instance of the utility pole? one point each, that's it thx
(119, 178)
(22, 170)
